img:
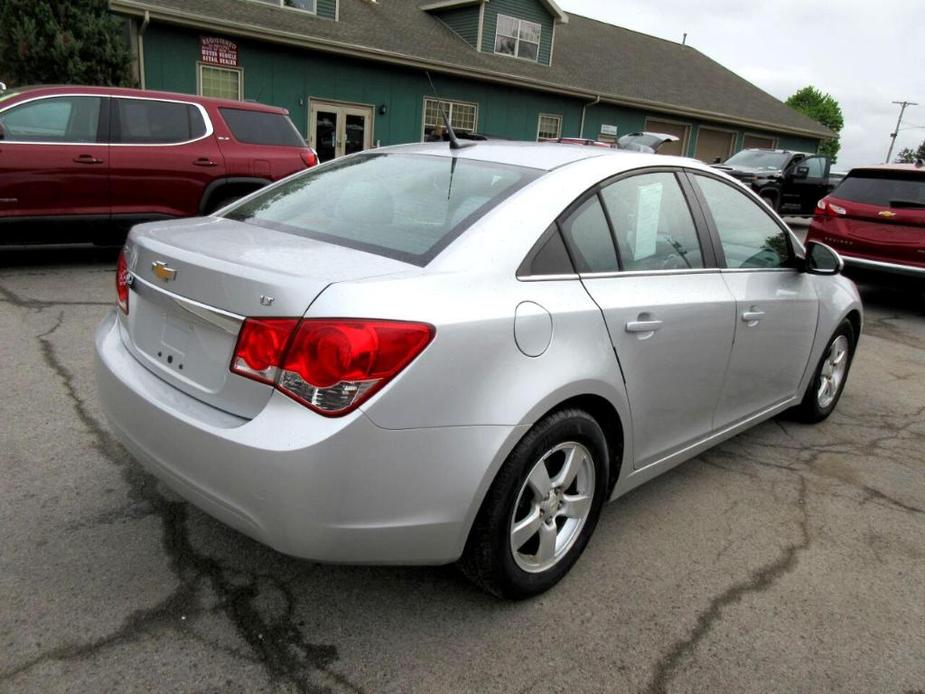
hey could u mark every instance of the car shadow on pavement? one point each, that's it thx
(56, 255)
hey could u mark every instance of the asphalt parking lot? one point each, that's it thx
(790, 559)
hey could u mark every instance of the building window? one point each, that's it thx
(549, 127)
(219, 82)
(462, 116)
(306, 5)
(518, 37)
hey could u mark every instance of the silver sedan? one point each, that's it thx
(423, 355)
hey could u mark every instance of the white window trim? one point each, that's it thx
(279, 4)
(240, 72)
(539, 120)
(539, 44)
(451, 102)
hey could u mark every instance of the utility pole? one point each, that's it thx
(903, 105)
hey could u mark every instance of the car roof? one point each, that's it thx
(910, 168)
(545, 156)
(50, 90)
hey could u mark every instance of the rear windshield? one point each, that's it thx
(765, 160)
(883, 188)
(262, 128)
(403, 206)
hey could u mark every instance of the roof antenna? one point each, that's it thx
(684, 40)
(454, 142)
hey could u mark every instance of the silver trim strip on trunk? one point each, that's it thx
(224, 320)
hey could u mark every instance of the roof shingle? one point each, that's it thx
(591, 58)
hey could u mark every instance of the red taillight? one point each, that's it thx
(260, 347)
(826, 208)
(123, 280)
(309, 158)
(328, 365)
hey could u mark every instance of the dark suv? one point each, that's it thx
(790, 182)
(101, 159)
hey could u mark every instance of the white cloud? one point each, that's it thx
(866, 55)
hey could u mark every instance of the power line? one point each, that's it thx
(903, 105)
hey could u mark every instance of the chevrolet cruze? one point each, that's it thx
(424, 355)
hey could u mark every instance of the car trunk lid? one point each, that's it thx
(194, 281)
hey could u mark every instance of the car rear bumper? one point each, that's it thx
(328, 489)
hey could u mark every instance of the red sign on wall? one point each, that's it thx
(216, 51)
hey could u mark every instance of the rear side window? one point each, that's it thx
(57, 119)
(588, 235)
(147, 122)
(652, 223)
(261, 128)
(883, 188)
(403, 206)
(750, 238)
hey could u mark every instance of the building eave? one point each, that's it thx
(196, 21)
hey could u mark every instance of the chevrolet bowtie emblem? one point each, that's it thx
(887, 214)
(162, 271)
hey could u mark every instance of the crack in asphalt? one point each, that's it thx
(278, 644)
(11, 297)
(758, 581)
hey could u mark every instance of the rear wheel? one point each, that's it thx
(828, 382)
(541, 509)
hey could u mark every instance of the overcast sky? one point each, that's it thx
(865, 53)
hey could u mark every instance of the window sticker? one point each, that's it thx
(648, 211)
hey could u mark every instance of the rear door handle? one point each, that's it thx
(204, 161)
(87, 159)
(752, 317)
(643, 326)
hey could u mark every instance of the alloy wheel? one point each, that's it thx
(552, 506)
(833, 371)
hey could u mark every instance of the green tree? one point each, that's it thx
(52, 42)
(908, 155)
(822, 108)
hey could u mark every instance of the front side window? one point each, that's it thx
(549, 127)
(147, 122)
(652, 223)
(220, 82)
(403, 206)
(588, 237)
(462, 116)
(815, 166)
(518, 37)
(750, 238)
(57, 119)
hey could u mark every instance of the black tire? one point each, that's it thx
(810, 410)
(488, 560)
(771, 200)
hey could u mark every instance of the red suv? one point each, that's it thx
(106, 158)
(875, 218)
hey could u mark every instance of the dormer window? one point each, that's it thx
(306, 5)
(518, 37)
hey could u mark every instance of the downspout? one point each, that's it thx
(581, 131)
(141, 48)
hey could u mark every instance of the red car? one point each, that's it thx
(875, 218)
(102, 159)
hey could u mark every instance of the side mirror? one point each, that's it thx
(801, 172)
(717, 160)
(822, 260)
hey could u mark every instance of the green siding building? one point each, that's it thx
(354, 73)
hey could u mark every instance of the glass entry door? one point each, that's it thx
(339, 129)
